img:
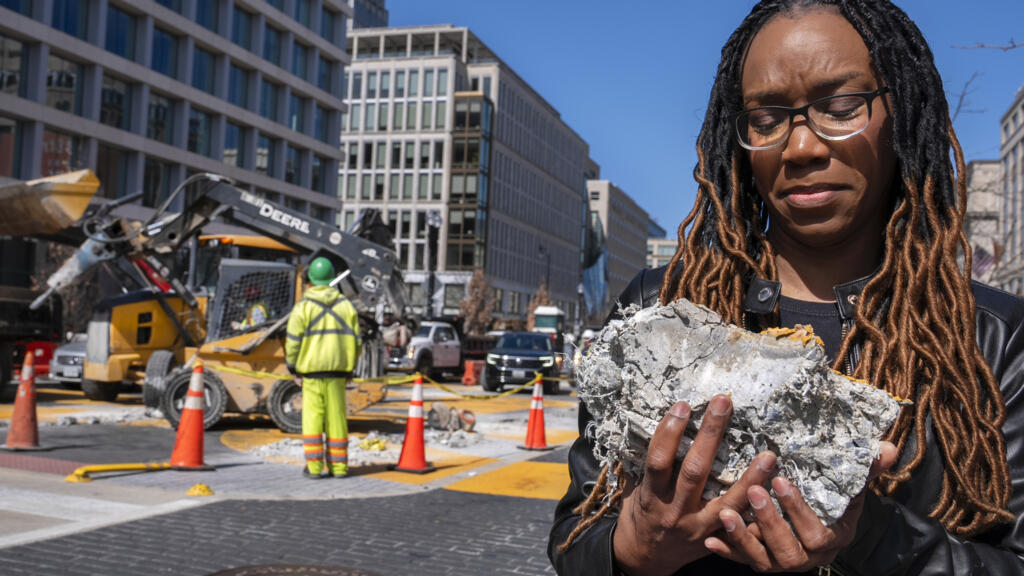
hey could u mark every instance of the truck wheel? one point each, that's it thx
(158, 369)
(485, 384)
(8, 390)
(425, 365)
(285, 406)
(100, 391)
(215, 398)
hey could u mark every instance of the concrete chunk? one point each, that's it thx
(825, 428)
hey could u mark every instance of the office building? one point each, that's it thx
(368, 14)
(981, 221)
(625, 231)
(439, 124)
(1011, 155)
(146, 93)
(660, 251)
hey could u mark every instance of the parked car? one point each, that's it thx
(515, 359)
(433, 350)
(67, 362)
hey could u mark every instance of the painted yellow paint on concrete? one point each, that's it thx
(542, 480)
(447, 464)
(43, 414)
(552, 436)
(245, 440)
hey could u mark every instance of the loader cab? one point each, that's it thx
(204, 269)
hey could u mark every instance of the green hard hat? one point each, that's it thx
(321, 272)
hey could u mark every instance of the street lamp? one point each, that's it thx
(433, 226)
(541, 251)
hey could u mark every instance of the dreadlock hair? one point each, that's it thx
(915, 319)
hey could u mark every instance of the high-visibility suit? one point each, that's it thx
(257, 315)
(322, 347)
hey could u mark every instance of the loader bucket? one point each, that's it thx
(46, 205)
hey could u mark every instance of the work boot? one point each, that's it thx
(339, 475)
(307, 474)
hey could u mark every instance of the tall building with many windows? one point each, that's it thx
(1011, 154)
(437, 123)
(147, 92)
(368, 14)
(625, 230)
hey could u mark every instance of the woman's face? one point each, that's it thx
(819, 193)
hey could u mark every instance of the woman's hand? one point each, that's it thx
(770, 545)
(664, 523)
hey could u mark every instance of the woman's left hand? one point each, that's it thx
(769, 544)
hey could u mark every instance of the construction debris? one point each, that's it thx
(825, 428)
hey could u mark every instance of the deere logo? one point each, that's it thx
(268, 211)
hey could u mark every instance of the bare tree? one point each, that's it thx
(963, 103)
(541, 298)
(477, 308)
(1011, 45)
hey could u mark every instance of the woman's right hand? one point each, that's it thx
(663, 522)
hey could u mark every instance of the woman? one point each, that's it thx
(827, 197)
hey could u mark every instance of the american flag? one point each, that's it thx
(982, 261)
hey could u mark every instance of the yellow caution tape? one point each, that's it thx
(276, 376)
(536, 379)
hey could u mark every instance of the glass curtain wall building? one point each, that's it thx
(147, 93)
(437, 122)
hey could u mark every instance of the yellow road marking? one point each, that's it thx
(43, 414)
(447, 464)
(542, 480)
(552, 436)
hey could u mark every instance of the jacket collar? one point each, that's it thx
(763, 295)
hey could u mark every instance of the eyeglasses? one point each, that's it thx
(832, 118)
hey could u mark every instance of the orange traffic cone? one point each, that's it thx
(188, 446)
(413, 458)
(535, 437)
(471, 375)
(24, 431)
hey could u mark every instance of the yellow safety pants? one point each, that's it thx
(324, 399)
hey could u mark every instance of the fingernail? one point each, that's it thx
(757, 500)
(728, 523)
(783, 488)
(719, 406)
(680, 410)
(766, 463)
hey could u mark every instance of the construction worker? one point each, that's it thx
(258, 313)
(321, 350)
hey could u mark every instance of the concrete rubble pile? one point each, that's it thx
(825, 428)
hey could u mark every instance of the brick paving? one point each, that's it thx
(435, 532)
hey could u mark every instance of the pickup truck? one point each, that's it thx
(434, 349)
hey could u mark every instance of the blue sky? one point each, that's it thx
(633, 77)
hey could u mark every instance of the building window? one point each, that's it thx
(328, 24)
(427, 117)
(234, 145)
(353, 155)
(442, 82)
(264, 155)
(23, 7)
(165, 53)
(238, 86)
(350, 187)
(320, 123)
(381, 151)
(156, 182)
(318, 180)
(279, 4)
(371, 84)
(12, 65)
(116, 103)
(385, 84)
(407, 187)
(400, 84)
(64, 84)
(300, 57)
(112, 172)
(396, 155)
(206, 13)
(325, 75)
(61, 153)
(367, 155)
(442, 115)
(357, 85)
(410, 152)
(438, 154)
(428, 83)
(241, 28)
(302, 12)
(370, 123)
(170, 4)
(353, 116)
(120, 33)
(269, 94)
(295, 108)
(410, 116)
(399, 116)
(364, 191)
(160, 118)
(272, 45)
(382, 117)
(202, 70)
(69, 16)
(199, 124)
(291, 165)
(414, 82)
(393, 187)
(421, 190)
(10, 147)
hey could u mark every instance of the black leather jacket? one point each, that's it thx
(895, 534)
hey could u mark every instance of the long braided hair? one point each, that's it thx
(915, 319)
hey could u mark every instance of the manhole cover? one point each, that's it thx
(293, 570)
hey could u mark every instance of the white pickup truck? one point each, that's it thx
(434, 349)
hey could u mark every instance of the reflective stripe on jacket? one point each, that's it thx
(323, 334)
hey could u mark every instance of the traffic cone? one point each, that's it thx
(188, 446)
(471, 375)
(413, 458)
(23, 433)
(535, 436)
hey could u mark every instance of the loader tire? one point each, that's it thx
(285, 406)
(215, 398)
(100, 391)
(158, 371)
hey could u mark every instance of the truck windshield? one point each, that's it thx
(539, 342)
(424, 332)
(546, 322)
